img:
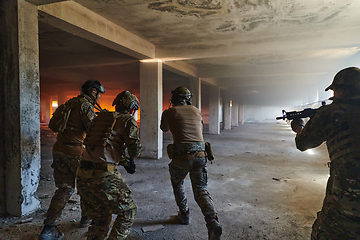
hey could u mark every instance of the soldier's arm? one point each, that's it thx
(312, 135)
(132, 140)
(164, 126)
(87, 113)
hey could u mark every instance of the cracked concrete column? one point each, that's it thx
(195, 89)
(227, 110)
(151, 100)
(20, 110)
(214, 108)
(235, 112)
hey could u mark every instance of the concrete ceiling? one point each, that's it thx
(265, 51)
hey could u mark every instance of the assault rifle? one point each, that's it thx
(307, 112)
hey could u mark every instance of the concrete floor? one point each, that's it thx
(262, 186)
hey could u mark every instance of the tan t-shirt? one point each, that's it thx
(184, 122)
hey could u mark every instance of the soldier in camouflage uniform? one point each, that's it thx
(338, 125)
(66, 155)
(188, 156)
(99, 184)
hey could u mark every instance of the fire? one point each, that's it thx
(105, 102)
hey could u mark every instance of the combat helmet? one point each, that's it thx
(348, 78)
(181, 94)
(92, 83)
(126, 102)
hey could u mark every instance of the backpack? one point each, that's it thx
(60, 118)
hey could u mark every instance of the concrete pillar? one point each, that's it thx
(214, 108)
(227, 110)
(241, 114)
(151, 136)
(235, 112)
(195, 89)
(20, 108)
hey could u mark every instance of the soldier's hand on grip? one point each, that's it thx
(130, 167)
(296, 123)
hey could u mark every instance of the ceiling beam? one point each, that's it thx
(181, 68)
(78, 20)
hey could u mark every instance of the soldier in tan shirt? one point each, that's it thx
(188, 156)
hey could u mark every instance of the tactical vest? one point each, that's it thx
(75, 123)
(102, 133)
(344, 139)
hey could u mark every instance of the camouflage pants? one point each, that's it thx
(332, 225)
(64, 167)
(198, 176)
(103, 195)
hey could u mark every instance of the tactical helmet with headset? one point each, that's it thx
(348, 78)
(126, 102)
(181, 94)
(92, 83)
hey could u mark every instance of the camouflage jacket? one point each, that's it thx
(70, 141)
(338, 125)
(79, 120)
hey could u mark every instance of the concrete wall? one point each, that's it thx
(255, 114)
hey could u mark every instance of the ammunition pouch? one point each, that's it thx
(183, 148)
(209, 152)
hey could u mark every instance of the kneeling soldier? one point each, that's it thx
(101, 187)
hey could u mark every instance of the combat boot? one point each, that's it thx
(184, 217)
(50, 232)
(84, 222)
(214, 229)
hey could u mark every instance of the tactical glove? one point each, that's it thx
(130, 167)
(296, 123)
